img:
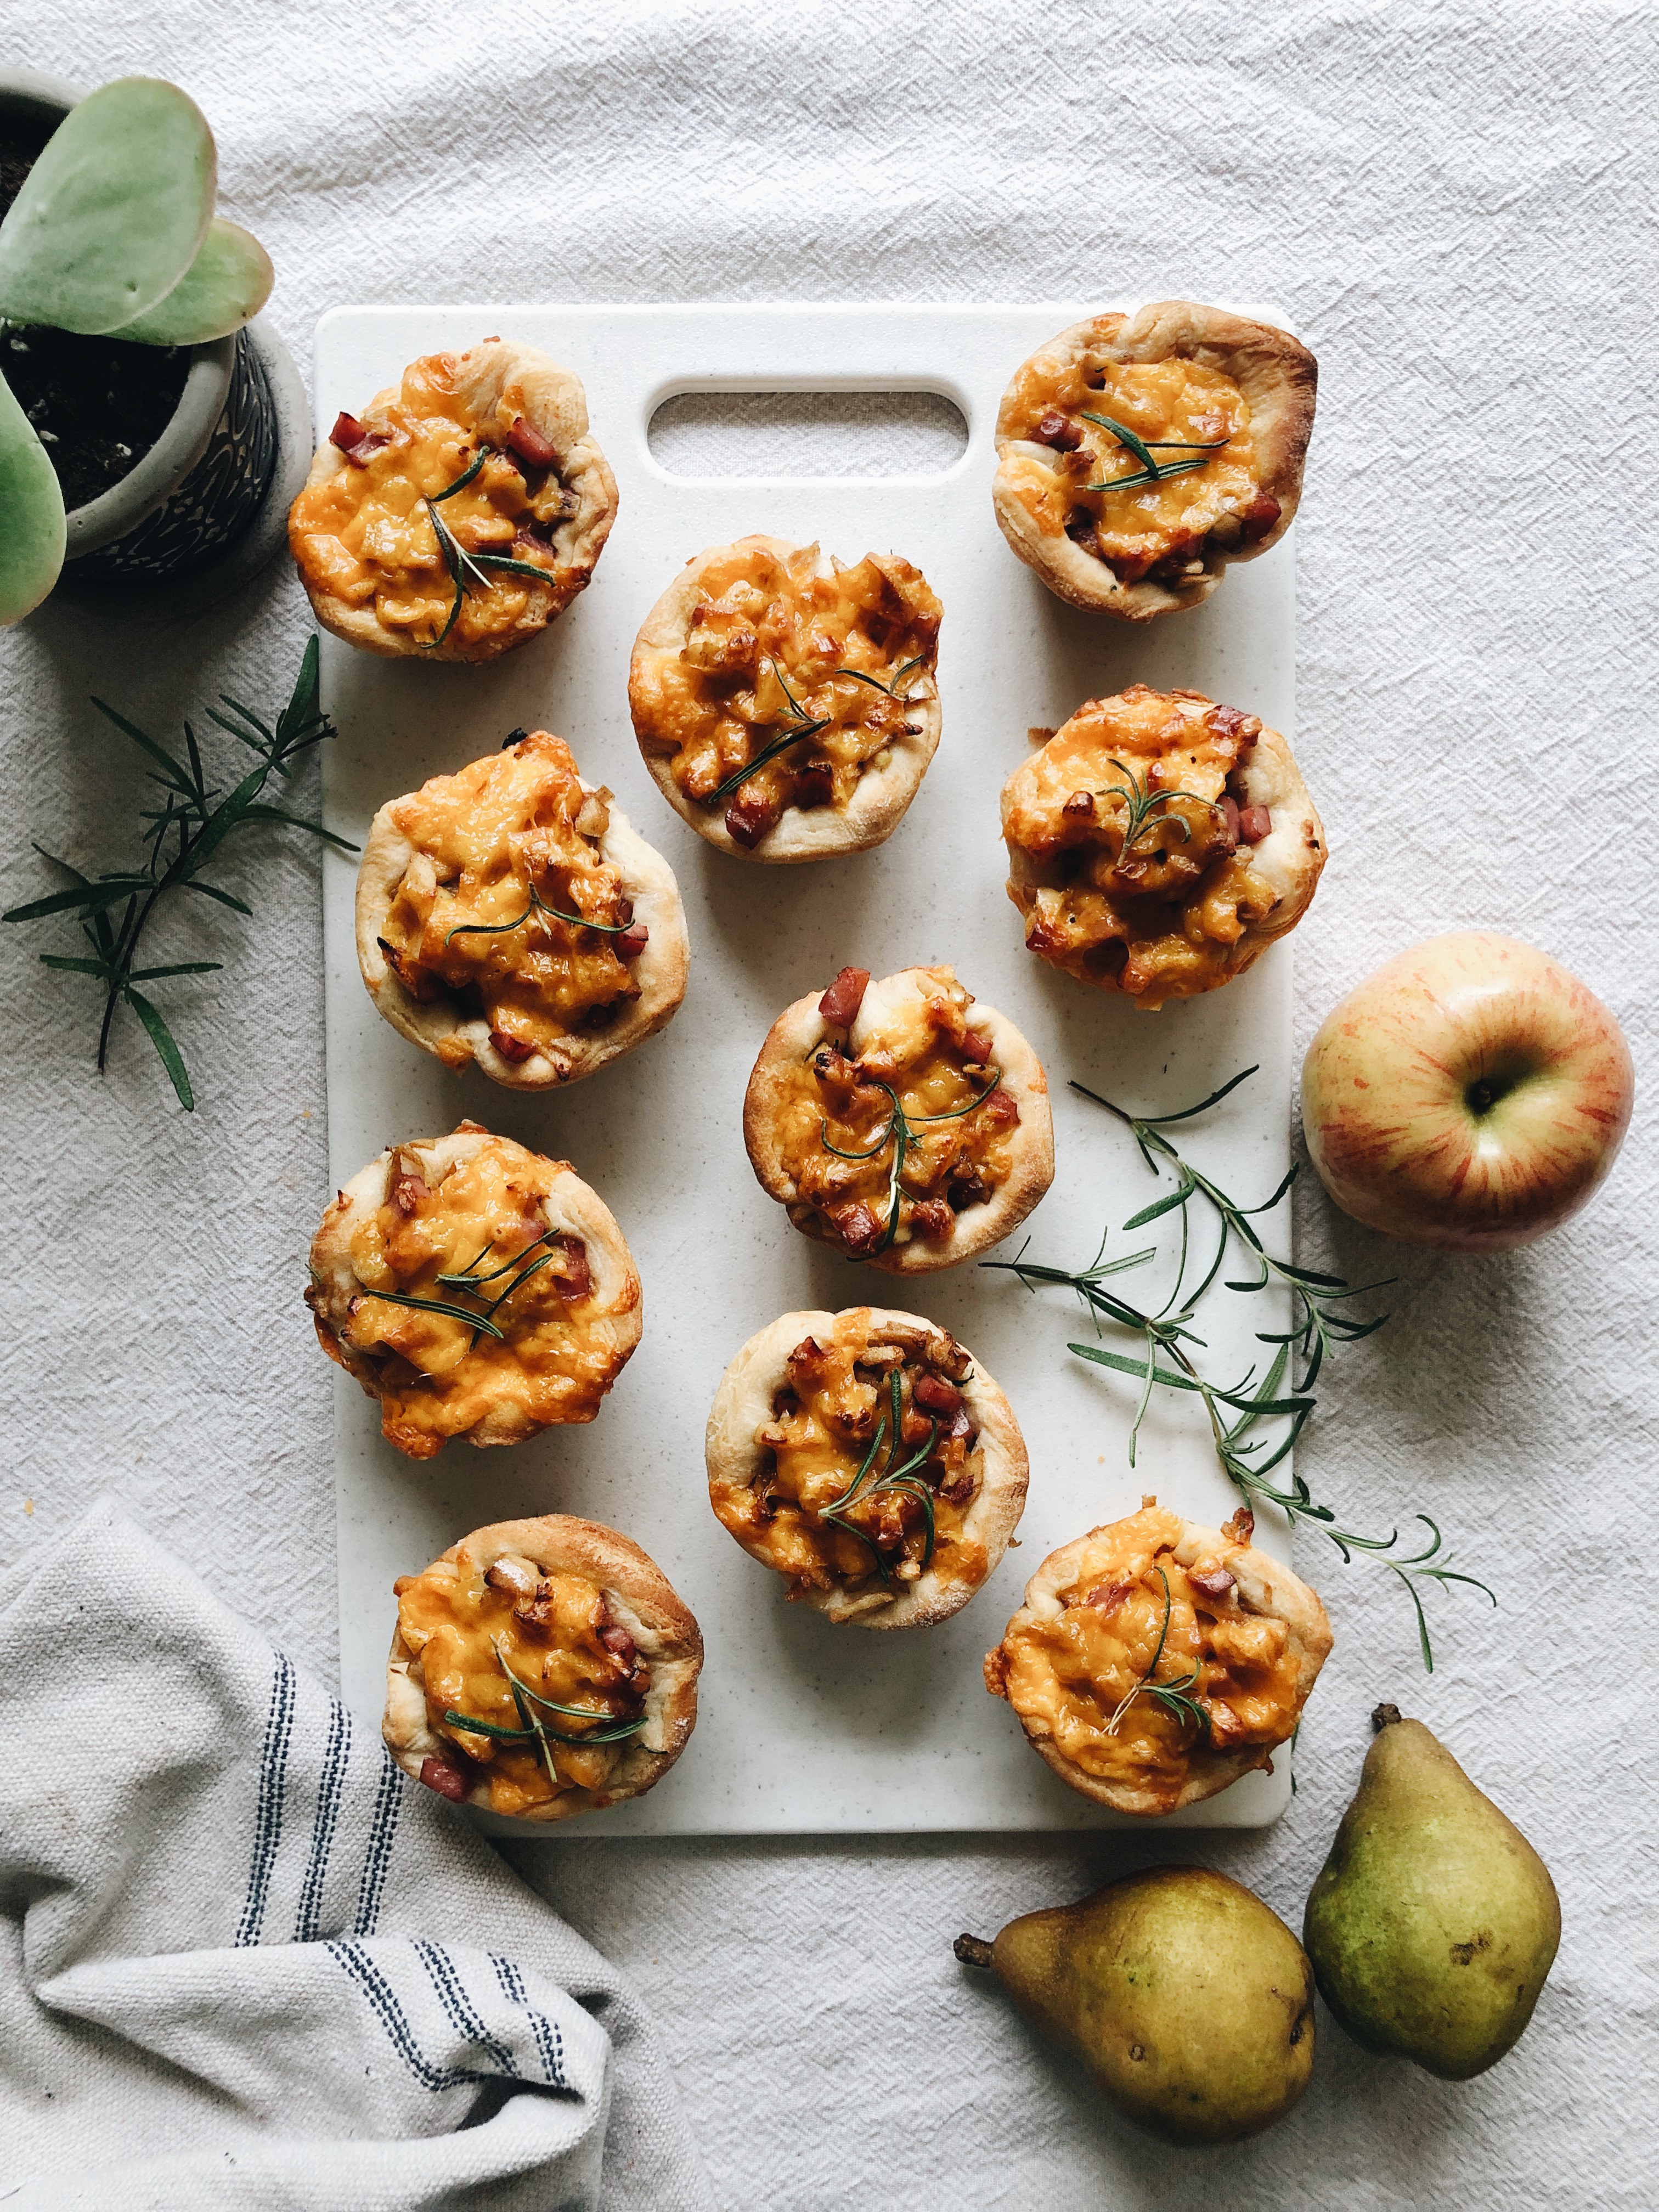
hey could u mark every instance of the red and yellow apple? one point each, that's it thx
(1472, 1094)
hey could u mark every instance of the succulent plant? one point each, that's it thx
(114, 234)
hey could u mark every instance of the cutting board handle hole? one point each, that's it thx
(755, 435)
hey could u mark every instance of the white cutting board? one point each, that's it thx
(804, 1728)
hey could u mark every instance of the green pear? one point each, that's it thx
(1189, 2002)
(1434, 1923)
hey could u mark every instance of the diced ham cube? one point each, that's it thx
(840, 1004)
(1214, 1583)
(575, 1278)
(1233, 722)
(748, 819)
(1107, 1597)
(517, 1049)
(525, 443)
(407, 1193)
(356, 443)
(1058, 431)
(858, 1228)
(936, 1395)
(448, 1781)
(1259, 516)
(932, 1220)
(1254, 823)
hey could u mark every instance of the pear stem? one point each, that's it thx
(973, 1950)
(1385, 1717)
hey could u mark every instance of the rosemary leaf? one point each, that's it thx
(768, 753)
(439, 1306)
(161, 1037)
(461, 481)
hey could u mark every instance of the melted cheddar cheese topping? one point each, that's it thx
(774, 647)
(557, 1635)
(505, 853)
(832, 1417)
(1163, 919)
(365, 534)
(1071, 1675)
(925, 1053)
(484, 1218)
(1183, 412)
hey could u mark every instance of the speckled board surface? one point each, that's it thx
(804, 1728)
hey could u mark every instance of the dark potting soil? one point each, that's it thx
(19, 145)
(97, 405)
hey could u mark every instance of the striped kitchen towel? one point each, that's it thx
(248, 1963)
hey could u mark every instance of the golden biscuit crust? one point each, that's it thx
(892, 1013)
(1258, 1634)
(392, 590)
(1223, 860)
(737, 1460)
(641, 1600)
(1275, 377)
(777, 572)
(558, 1351)
(444, 1023)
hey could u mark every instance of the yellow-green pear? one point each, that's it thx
(1189, 2002)
(1434, 1923)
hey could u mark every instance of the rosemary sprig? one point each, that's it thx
(475, 1321)
(535, 1730)
(1145, 476)
(614, 1734)
(1173, 1696)
(467, 568)
(899, 1132)
(537, 905)
(905, 1478)
(467, 1280)
(184, 832)
(1142, 811)
(1318, 1296)
(461, 481)
(808, 728)
(891, 688)
(1248, 1460)
(1146, 450)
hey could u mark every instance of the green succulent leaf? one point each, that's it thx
(32, 542)
(115, 211)
(226, 286)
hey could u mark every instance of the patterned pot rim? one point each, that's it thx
(153, 479)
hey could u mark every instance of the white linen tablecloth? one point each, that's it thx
(1453, 203)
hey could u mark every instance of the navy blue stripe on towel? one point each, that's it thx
(268, 1810)
(379, 1991)
(462, 2014)
(335, 1757)
(549, 2041)
(377, 1860)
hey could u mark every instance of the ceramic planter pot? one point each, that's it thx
(204, 480)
